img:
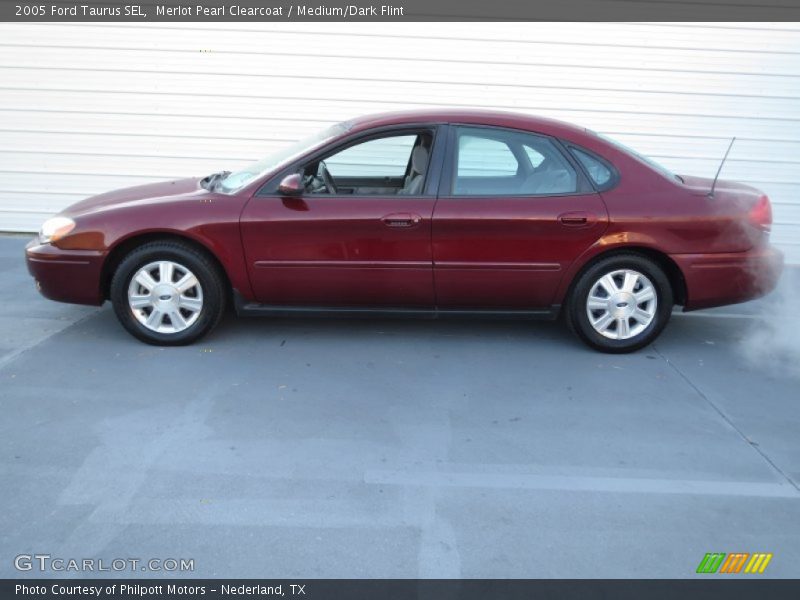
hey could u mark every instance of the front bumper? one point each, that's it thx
(66, 275)
(729, 278)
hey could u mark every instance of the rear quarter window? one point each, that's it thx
(599, 172)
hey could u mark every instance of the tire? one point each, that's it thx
(626, 319)
(168, 293)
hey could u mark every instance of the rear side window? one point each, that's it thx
(505, 162)
(484, 157)
(534, 156)
(597, 170)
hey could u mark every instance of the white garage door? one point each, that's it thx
(87, 108)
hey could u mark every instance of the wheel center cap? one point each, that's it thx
(622, 304)
(164, 295)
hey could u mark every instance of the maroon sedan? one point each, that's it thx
(419, 213)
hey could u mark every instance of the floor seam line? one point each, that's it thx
(10, 358)
(727, 420)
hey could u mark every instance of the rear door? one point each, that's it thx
(366, 242)
(514, 212)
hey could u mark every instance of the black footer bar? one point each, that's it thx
(391, 589)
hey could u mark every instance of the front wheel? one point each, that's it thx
(168, 293)
(620, 304)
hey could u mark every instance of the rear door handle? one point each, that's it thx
(576, 219)
(398, 220)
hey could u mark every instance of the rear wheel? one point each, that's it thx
(168, 293)
(620, 304)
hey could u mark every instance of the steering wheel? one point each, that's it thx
(326, 178)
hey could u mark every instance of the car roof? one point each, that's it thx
(495, 118)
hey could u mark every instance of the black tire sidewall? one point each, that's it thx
(579, 320)
(203, 269)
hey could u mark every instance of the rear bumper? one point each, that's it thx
(729, 278)
(66, 275)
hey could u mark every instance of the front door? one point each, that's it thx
(515, 212)
(360, 234)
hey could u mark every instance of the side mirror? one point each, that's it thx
(291, 185)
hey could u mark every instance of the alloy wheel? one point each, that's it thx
(621, 304)
(165, 297)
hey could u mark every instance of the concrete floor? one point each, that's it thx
(287, 448)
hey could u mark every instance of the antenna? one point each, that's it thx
(724, 158)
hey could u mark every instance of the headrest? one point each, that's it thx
(419, 159)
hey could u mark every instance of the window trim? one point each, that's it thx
(583, 183)
(615, 176)
(432, 177)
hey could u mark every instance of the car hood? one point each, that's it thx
(148, 193)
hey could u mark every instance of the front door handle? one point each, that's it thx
(398, 220)
(576, 219)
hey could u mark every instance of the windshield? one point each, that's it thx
(658, 167)
(232, 182)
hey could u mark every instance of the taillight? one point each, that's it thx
(761, 214)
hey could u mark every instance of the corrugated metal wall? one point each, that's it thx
(87, 108)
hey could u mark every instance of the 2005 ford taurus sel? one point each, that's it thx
(420, 213)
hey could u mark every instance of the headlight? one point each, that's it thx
(55, 229)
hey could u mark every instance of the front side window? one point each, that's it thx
(384, 166)
(500, 162)
(384, 157)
